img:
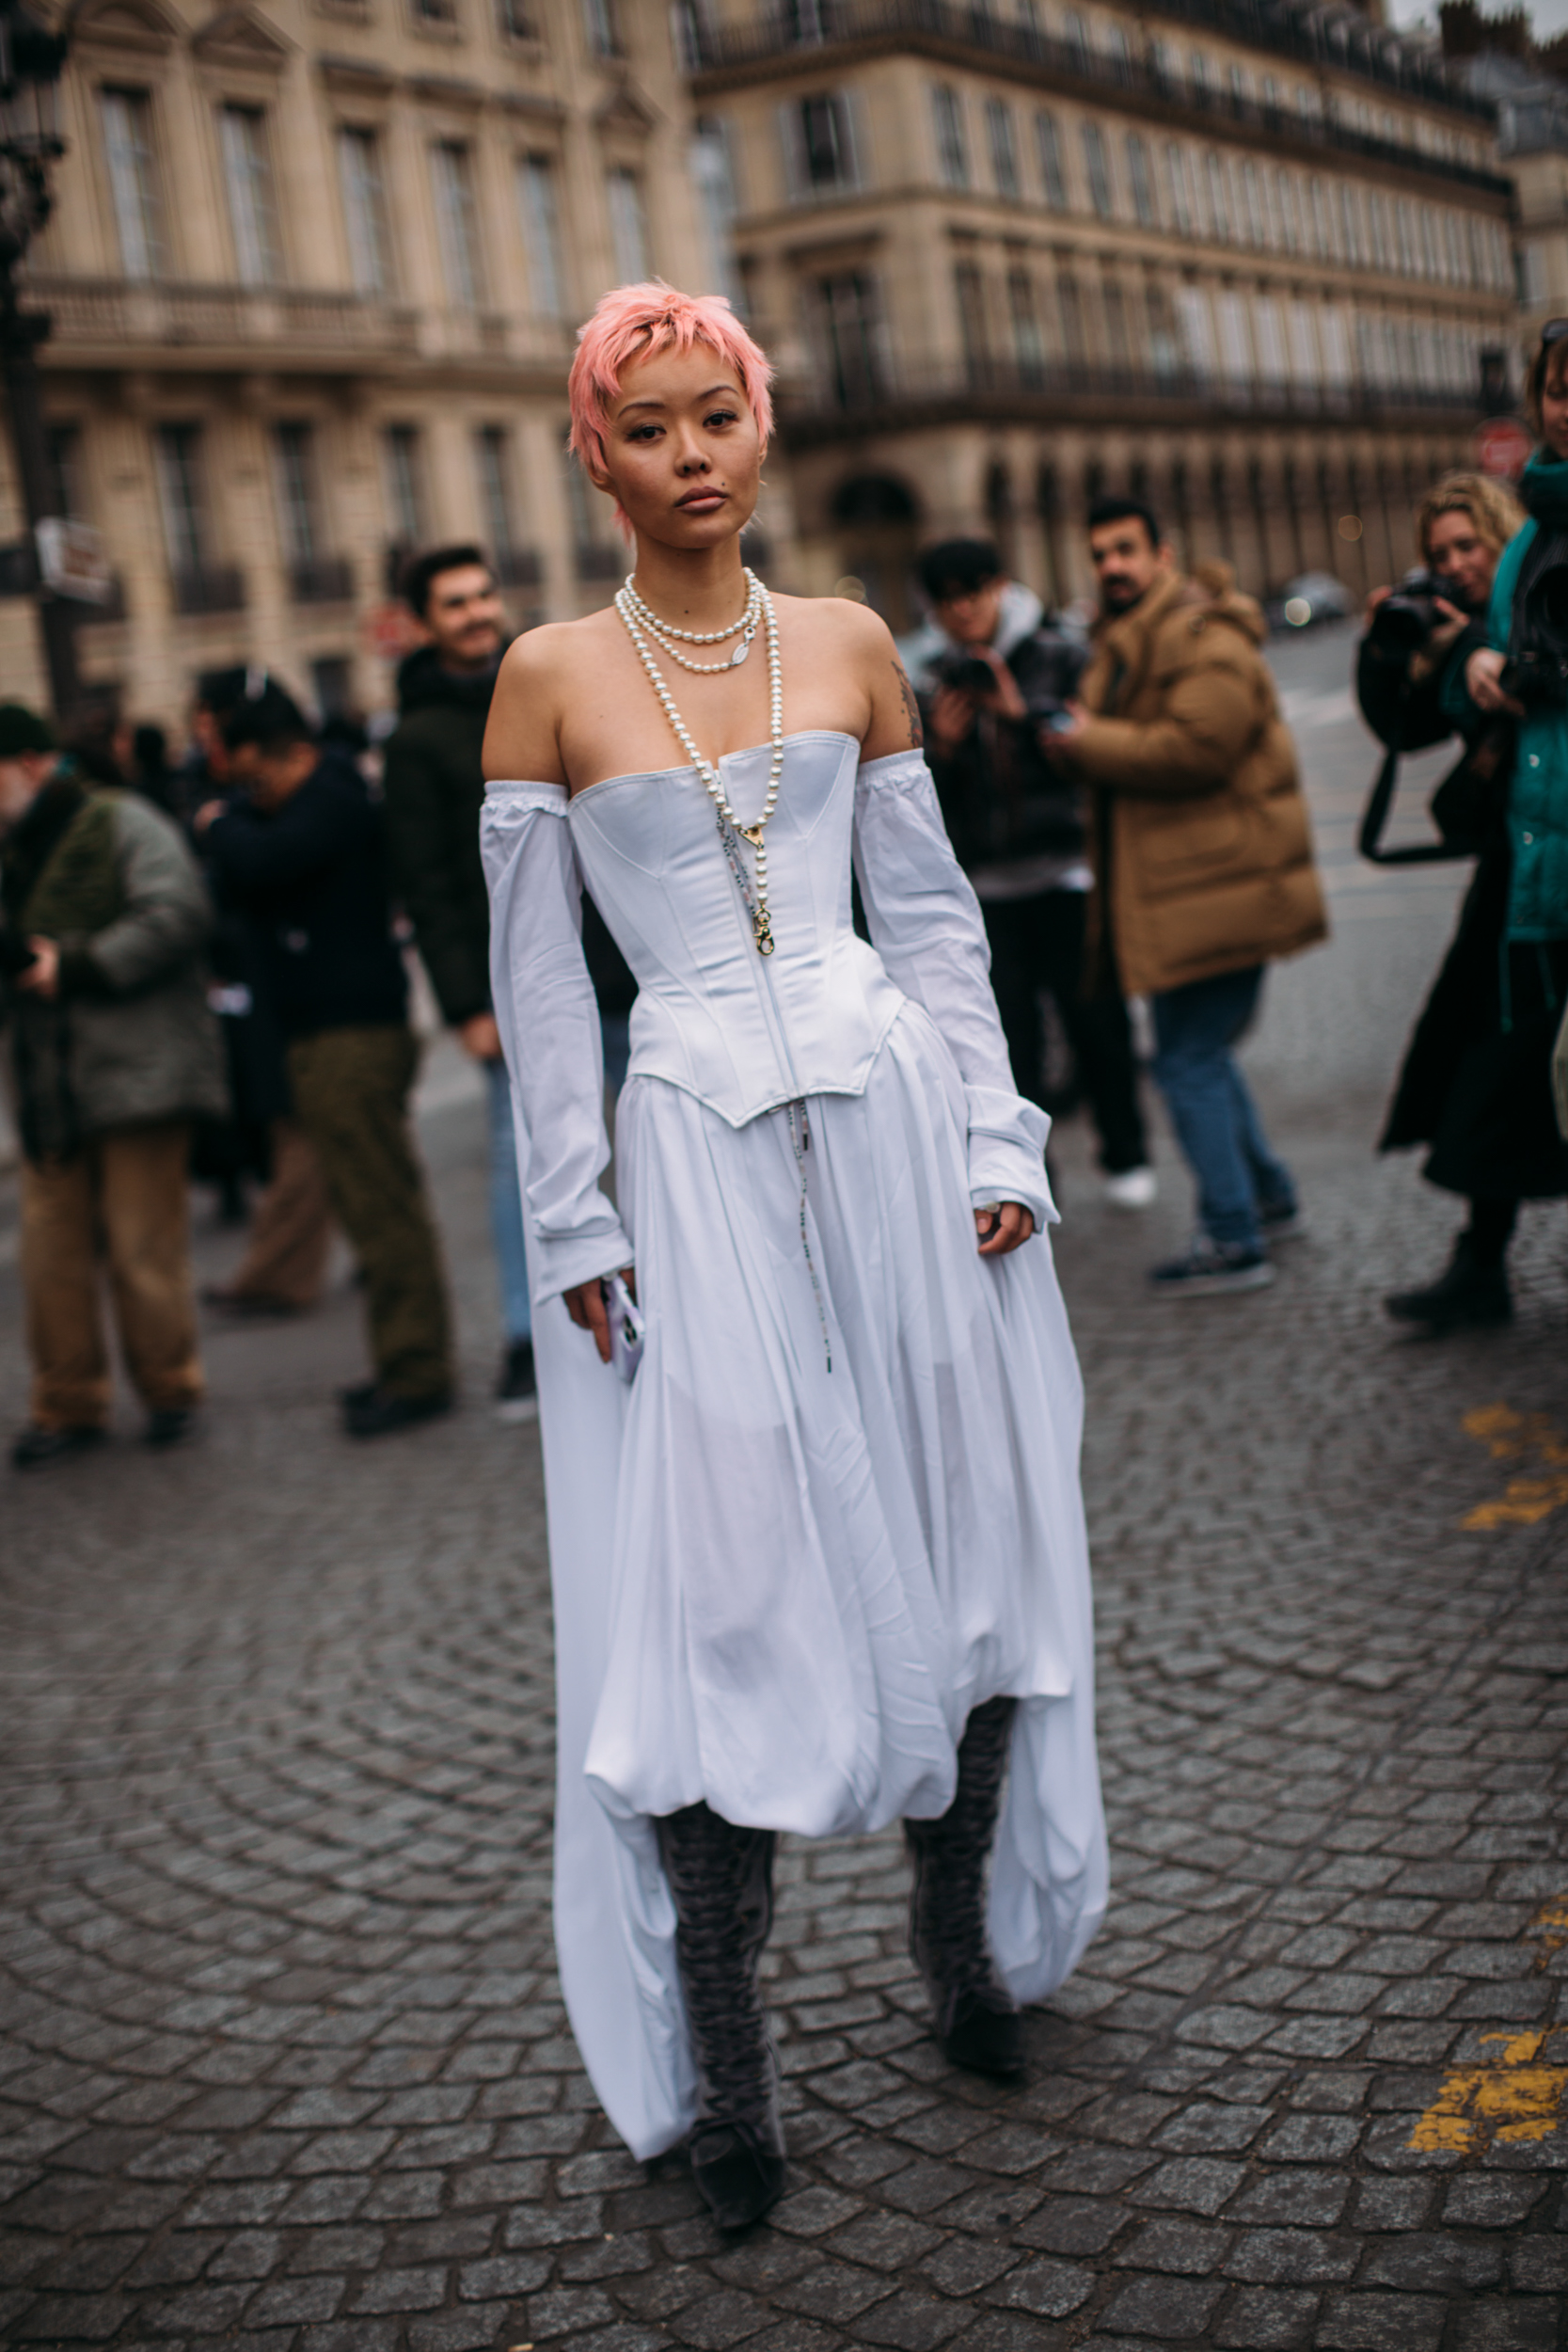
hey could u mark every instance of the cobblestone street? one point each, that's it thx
(285, 2063)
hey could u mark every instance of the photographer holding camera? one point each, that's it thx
(992, 679)
(1477, 1081)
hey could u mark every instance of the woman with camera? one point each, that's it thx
(1477, 1082)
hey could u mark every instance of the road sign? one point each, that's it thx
(71, 561)
(1502, 447)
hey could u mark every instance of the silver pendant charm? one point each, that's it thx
(740, 652)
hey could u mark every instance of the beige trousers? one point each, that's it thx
(121, 1202)
(290, 1233)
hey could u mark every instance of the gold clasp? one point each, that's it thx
(763, 930)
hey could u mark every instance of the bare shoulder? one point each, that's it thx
(522, 738)
(853, 628)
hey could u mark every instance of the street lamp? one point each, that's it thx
(31, 61)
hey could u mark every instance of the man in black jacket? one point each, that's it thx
(990, 677)
(435, 786)
(306, 856)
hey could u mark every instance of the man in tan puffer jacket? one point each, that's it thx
(1204, 866)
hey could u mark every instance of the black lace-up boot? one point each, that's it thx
(721, 1879)
(976, 2017)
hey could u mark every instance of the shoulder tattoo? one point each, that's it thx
(911, 707)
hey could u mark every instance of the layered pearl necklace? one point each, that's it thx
(639, 624)
(670, 640)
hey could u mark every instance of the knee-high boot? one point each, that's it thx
(721, 1879)
(974, 2015)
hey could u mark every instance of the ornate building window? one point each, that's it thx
(1048, 146)
(1097, 169)
(1141, 180)
(457, 223)
(247, 179)
(539, 206)
(126, 116)
(365, 211)
(952, 147)
(1004, 153)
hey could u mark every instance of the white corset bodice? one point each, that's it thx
(740, 1031)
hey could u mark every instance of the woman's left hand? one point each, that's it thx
(1004, 1228)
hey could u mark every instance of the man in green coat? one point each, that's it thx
(114, 1053)
(435, 787)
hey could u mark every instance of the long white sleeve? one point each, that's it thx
(926, 925)
(550, 1027)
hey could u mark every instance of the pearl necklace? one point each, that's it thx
(666, 635)
(729, 823)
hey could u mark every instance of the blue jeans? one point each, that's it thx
(1215, 1118)
(506, 1208)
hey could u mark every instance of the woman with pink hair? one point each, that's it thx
(818, 1555)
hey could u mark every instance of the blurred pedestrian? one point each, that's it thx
(1408, 674)
(305, 854)
(114, 1053)
(990, 675)
(1494, 1133)
(1204, 866)
(142, 753)
(434, 788)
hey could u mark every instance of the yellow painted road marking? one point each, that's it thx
(1549, 1930)
(1511, 1437)
(1512, 2100)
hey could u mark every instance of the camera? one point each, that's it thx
(16, 956)
(1404, 621)
(965, 673)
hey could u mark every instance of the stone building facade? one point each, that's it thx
(314, 268)
(1245, 261)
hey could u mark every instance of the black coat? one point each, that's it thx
(313, 879)
(1002, 799)
(435, 786)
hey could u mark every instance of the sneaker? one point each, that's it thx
(167, 1423)
(1131, 1188)
(379, 1413)
(1280, 1220)
(1467, 1297)
(1211, 1268)
(35, 1444)
(516, 1392)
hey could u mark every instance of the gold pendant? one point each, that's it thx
(751, 834)
(763, 930)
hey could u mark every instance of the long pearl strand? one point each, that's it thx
(761, 929)
(665, 635)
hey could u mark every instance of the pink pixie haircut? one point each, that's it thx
(634, 322)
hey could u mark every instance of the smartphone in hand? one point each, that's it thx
(627, 1329)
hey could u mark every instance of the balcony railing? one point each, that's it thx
(208, 588)
(120, 312)
(322, 579)
(982, 389)
(519, 567)
(596, 560)
(1392, 65)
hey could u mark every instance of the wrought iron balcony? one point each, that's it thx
(322, 579)
(208, 588)
(810, 29)
(519, 567)
(890, 397)
(597, 560)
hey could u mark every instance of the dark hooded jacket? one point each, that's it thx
(435, 786)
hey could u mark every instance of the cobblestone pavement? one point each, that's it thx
(286, 2065)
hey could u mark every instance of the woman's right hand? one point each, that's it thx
(1483, 682)
(586, 1307)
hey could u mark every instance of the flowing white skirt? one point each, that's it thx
(830, 1516)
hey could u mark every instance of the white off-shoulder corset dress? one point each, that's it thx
(839, 1506)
